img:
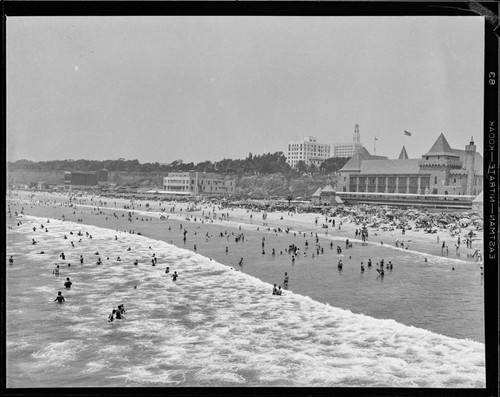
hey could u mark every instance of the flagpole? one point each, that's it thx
(374, 146)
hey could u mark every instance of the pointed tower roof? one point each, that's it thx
(441, 148)
(403, 155)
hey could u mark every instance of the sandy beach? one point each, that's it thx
(417, 241)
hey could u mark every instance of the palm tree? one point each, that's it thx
(289, 198)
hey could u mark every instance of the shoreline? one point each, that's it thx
(398, 298)
(417, 241)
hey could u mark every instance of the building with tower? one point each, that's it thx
(442, 170)
(308, 150)
(348, 149)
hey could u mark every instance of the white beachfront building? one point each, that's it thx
(348, 149)
(308, 150)
(199, 183)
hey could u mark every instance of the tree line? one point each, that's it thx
(270, 163)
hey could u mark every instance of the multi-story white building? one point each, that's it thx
(348, 149)
(198, 183)
(308, 150)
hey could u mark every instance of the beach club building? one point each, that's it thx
(199, 183)
(442, 171)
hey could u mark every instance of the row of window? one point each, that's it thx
(202, 182)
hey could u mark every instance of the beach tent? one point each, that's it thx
(477, 203)
(328, 190)
(316, 196)
(328, 195)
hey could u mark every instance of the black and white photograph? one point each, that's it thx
(287, 201)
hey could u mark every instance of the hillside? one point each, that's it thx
(282, 185)
(269, 185)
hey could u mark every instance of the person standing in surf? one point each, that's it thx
(59, 298)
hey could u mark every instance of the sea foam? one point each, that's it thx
(216, 326)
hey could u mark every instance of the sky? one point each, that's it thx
(196, 88)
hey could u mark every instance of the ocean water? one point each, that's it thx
(443, 295)
(217, 326)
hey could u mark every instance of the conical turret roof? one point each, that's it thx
(441, 148)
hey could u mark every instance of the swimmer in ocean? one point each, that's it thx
(111, 317)
(167, 270)
(119, 315)
(11, 260)
(285, 281)
(241, 262)
(174, 276)
(68, 283)
(56, 271)
(278, 292)
(275, 289)
(381, 272)
(59, 298)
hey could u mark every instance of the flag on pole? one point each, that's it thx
(407, 133)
